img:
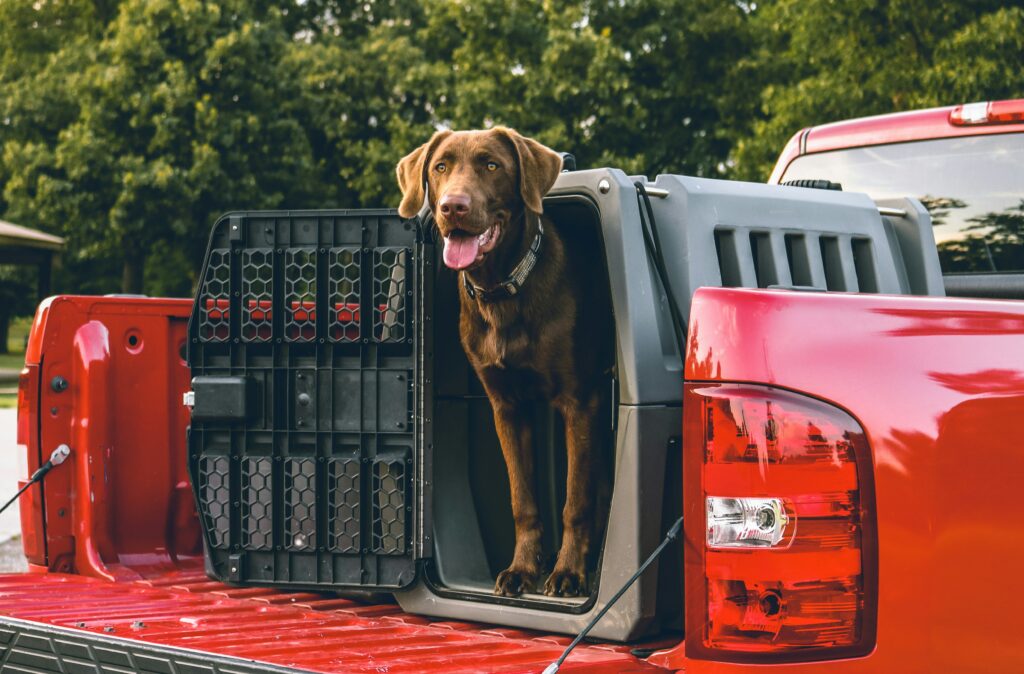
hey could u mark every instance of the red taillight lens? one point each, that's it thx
(24, 382)
(1006, 112)
(995, 112)
(780, 522)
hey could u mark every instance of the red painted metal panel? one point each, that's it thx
(938, 386)
(30, 505)
(311, 632)
(121, 505)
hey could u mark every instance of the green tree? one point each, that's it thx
(127, 126)
(181, 111)
(820, 61)
(993, 242)
(368, 85)
(640, 85)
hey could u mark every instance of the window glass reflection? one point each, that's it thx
(973, 187)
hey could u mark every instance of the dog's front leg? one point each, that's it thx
(569, 577)
(514, 433)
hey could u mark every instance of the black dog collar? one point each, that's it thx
(513, 283)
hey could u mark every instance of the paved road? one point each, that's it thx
(12, 557)
(11, 467)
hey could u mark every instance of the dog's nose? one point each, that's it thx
(454, 206)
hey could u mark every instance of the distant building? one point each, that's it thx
(23, 246)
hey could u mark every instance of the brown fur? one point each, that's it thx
(543, 342)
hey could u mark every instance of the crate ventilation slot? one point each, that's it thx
(751, 258)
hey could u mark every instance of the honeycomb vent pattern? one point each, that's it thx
(215, 298)
(344, 286)
(389, 300)
(300, 294)
(257, 294)
(389, 506)
(214, 489)
(390, 294)
(343, 486)
(257, 504)
(300, 504)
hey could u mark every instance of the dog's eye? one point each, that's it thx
(492, 166)
(441, 167)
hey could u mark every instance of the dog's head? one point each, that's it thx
(478, 183)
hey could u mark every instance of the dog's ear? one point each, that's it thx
(539, 167)
(412, 174)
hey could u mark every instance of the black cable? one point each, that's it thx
(653, 244)
(672, 534)
(20, 492)
(56, 458)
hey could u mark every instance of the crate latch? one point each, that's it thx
(218, 397)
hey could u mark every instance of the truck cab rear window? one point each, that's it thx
(972, 186)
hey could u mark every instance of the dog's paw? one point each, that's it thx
(565, 583)
(514, 582)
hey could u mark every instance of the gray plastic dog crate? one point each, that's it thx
(331, 452)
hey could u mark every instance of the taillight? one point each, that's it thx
(781, 555)
(24, 382)
(994, 112)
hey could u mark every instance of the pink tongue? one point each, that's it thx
(460, 251)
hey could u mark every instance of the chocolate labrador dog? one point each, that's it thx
(533, 315)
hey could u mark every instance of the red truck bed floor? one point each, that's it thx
(79, 616)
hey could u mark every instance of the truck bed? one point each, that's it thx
(116, 580)
(182, 622)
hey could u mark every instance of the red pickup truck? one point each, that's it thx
(897, 417)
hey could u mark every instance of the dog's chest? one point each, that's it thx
(497, 340)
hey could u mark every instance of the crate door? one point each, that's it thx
(307, 444)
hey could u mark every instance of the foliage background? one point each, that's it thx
(127, 126)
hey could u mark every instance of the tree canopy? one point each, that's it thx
(127, 126)
(819, 61)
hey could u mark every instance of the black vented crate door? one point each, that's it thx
(307, 447)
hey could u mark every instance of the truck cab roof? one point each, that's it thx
(902, 127)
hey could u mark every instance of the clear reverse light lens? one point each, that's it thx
(975, 113)
(745, 522)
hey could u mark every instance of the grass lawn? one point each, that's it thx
(14, 360)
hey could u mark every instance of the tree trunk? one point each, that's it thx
(5, 326)
(131, 276)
